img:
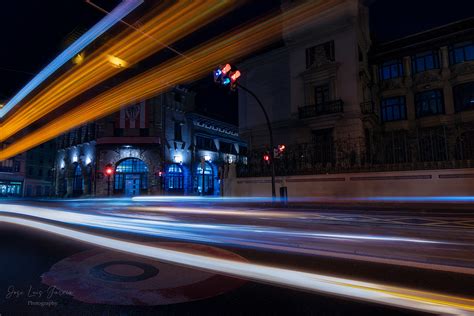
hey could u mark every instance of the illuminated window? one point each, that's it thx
(393, 109)
(174, 178)
(425, 61)
(78, 183)
(204, 178)
(131, 169)
(391, 69)
(461, 52)
(132, 165)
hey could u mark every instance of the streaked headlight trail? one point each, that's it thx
(377, 293)
(197, 63)
(123, 9)
(162, 27)
(261, 237)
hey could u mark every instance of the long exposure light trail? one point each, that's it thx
(164, 26)
(371, 292)
(243, 212)
(176, 71)
(116, 221)
(117, 14)
(266, 238)
(253, 199)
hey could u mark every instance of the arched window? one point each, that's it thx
(131, 177)
(204, 178)
(78, 182)
(174, 179)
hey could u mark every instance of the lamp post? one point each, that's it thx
(226, 76)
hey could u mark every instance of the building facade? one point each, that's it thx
(152, 148)
(424, 92)
(341, 104)
(12, 176)
(39, 170)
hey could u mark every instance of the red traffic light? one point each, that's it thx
(235, 75)
(226, 69)
(109, 170)
(227, 75)
(266, 157)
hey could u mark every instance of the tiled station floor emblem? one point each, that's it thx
(103, 276)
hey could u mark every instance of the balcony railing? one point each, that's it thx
(330, 107)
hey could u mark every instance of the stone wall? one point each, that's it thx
(448, 182)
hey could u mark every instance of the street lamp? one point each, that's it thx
(226, 75)
(108, 171)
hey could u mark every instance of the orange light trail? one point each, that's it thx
(161, 30)
(199, 62)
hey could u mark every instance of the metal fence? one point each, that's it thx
(419, 149)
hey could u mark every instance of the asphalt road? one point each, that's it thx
(401, 247)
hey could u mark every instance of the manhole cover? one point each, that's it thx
(103, 276)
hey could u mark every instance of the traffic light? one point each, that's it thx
(227, 75)
(279, 151)
(109, 170)
(266, 158)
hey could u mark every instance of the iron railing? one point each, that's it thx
(330, 107)
(445, 147)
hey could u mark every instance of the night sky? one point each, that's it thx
(33, 33)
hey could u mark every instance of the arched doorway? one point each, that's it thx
(78, 181)
(174, 179)
(131, 177)
(204, 179)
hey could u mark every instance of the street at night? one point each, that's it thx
(409, 252)
(224, 157)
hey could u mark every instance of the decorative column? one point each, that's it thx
(409, 94)
(447, 88)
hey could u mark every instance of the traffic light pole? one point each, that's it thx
(270, 131)
(108, 185)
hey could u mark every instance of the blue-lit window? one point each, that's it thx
(118, 181)
(391, 69)
(429, 103)
(464, 96)
(204, 177)
(425, 61)
(126, 169)
(393, 109)
(461, 52)
(132, 165)
(78, 182)
(174, 178)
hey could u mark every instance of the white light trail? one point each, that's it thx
(117, 14)
(370, 292)
(258, 237)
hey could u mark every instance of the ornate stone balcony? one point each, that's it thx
(331, 107)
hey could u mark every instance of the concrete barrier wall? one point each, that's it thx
(448, 182)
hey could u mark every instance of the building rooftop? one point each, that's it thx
(444, 35)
